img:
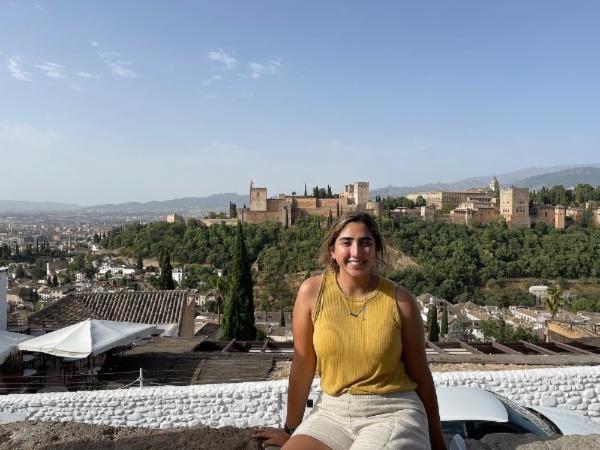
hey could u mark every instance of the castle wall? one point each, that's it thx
(264, 403)
(305, 203)
(543, 213)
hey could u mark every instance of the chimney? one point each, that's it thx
(3, 286)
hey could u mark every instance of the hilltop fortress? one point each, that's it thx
(286, 209)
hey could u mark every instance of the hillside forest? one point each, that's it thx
(458, 263)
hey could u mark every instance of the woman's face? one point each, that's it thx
(354, 249)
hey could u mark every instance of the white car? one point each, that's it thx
(473, 413)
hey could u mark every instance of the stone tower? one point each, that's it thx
(514, 206)
(361, 193)
(495, 188)
(258, 198)
(560, 214)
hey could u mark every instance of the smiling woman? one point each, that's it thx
(364, 336)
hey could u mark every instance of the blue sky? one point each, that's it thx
(115, 101)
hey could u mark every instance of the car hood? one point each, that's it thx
(568, 422)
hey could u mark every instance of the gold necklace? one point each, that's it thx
(362, 309)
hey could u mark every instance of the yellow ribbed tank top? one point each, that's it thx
(363, 354)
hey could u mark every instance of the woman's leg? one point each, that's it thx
(303, 442)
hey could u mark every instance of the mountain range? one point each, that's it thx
(533, 178)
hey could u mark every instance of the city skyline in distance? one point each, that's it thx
(105, 102)
(532, 177)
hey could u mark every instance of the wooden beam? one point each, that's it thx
(572, 349)
(470, 348)
(438, 350)
(537, 348)
(505, 349)
(229, 346)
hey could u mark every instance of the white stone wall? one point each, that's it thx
(216, 405)
(264, 403)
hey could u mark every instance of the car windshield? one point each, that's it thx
(520, 421)
(525, 419)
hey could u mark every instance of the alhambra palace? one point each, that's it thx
(469, 207)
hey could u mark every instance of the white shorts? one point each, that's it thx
(368, 422)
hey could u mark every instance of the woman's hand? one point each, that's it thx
(271, 436)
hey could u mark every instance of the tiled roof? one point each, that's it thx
(154, 307)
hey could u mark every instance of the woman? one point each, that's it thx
(365, 334)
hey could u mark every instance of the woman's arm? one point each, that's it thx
(304, 362)
(415, 361)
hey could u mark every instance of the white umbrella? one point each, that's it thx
(88, 337)
(9, 341)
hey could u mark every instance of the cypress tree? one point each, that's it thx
(329, 219)
(305, 191)
(238, 314)
(140, 263)
(165, 280)
(444, 328)
(434, 329)
(282, 318)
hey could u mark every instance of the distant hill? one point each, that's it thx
(8, 206)
(517, 178)
(568, 178)
(188, 205)
(215, 202)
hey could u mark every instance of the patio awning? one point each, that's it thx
(88, 337)
(8, 341)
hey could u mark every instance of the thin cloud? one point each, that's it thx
(209, 81)
(220, 56)
(118, 65)
(94, 44)
(86, 75)
(15, 68)
(51, 70)
(22, 133)
(258, 70)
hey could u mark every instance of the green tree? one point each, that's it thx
(218, 287)
(281, 317)
(139, 265)
(238, 316)
(554, 301)
(165, 280)
(20, 273)
(434, 329)
(444, 327)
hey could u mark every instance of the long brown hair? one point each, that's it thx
(325, 258)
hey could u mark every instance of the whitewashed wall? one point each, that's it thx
(263, 403)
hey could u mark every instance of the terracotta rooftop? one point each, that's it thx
(154, 307)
